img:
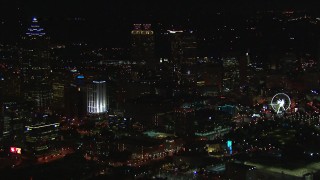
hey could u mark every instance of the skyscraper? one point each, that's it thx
(14, 113)
(231, 75)
(142, 44)
(183, 46)
(97, 100)
(58, 93)
(36, 57)
(41, 95)
(35, 67)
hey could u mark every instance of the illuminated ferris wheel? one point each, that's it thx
(280, 103)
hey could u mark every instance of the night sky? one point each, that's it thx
(143, 7)
(110, 21)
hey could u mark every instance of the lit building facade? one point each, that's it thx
(35, 63)
(14, 113)
(183, 47)
(231, 77)
(41, 96)
(58, 92)
(97, 100)
(35, 67)
(142, 44)
(11, 120)
(215, 133)
(41, 136)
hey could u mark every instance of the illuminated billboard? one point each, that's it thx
(229, 146)
(15, 150)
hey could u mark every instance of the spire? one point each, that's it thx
(35, 30)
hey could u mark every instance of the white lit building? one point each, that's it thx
(97, 100)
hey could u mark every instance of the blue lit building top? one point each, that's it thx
(35, 30)
(80, 77)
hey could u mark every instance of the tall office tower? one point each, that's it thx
(36, 57)
(97, 100)
(183, 47)
(35, 67)
(41, 96)
(58, 92)
(142, 44)
(12, 120)
(231, 77)
(75, 101)
(75, 98)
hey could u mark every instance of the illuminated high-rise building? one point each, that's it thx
(97, 100)
(35, 31)
(41, 133)
(13, 115)
(41, 96)
(142, 44)
(58, 92)
(75, 98)
(35, 67)
(35, 63)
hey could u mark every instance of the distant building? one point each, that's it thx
(238, 171)
(75, 100)
(230, 109)
(12, 118)
(269, 171)
(142, 44)
(75, 97)
(119, 122)
(41, 96)
(14, 112)
(231, 77)
(183, 47)
(215, 133)
(10, 84)
(35, 63)
(41, 134)
(35, 67)
(97, 100)
(58, 92)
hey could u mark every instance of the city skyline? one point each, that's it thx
(226, 90)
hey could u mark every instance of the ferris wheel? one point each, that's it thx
(280, 103)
